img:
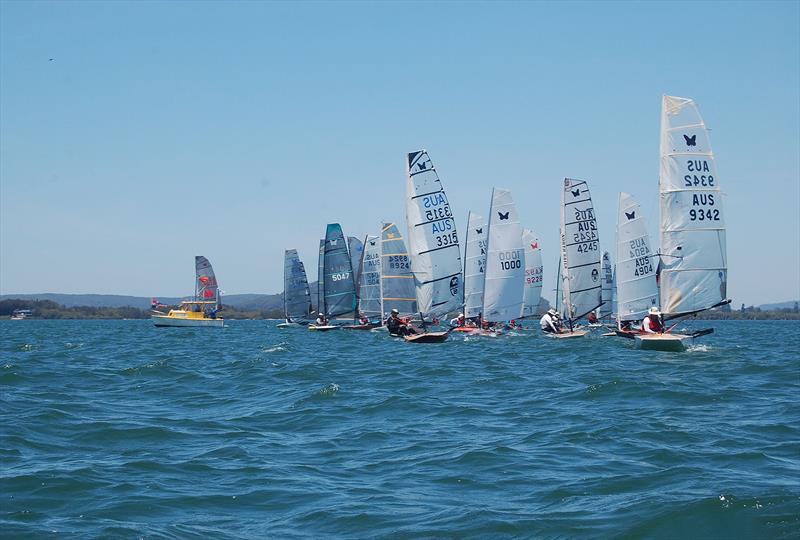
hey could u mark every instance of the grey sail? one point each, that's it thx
(206, 283)
(356, 249)
(369, 278)
(397, 281)
(321, 277)
(340, 290)
(296, 296)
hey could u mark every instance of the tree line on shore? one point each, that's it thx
(47, 309)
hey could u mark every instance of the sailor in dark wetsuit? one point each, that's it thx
(396, 326)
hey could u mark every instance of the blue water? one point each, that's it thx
(116, 429)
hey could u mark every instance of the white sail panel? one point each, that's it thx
(637, 290)
(432, 239)
(321, 276)
(607, 294)
(474, 264)
(206, 282)
(533, 273)
(369, 278)
(580, 251)
(296, 297)
(397, 281)
(693, 267)
(505, 261)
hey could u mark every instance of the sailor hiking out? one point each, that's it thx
(652, 323)
(398, 326)
(549, 322)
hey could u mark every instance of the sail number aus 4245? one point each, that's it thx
(586, 247)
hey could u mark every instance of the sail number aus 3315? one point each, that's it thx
(449, 239)
(438, 213)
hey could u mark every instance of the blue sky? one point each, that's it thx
(236, 130)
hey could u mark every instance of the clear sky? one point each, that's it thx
(235, 130)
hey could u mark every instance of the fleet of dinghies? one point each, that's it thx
(421, 277)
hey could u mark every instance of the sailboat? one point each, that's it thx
(296, 295)
(433, 244)
(355, 247)
(339, 296)
(504, 279)
(397, 280)
(202, 309)
(606, 291)
(580, 256)
(534, 270)
(693, 266)
(474, 268)
(369, 284)
(637, 290)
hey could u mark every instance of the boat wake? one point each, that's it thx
(698, 347)
(277, 348)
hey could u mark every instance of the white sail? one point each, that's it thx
(533, 273)
(607, 289)
(504, 279)
(474, 264)
(580, 251)
(694, 266)
(369, 278)
(432, 239)
(637, 290)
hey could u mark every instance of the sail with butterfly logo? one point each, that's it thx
(369, 278)
(296, 296)
(637, 290)
(693, 268)
(397, 281)
(340, 290)
(432, 239)
(581, 281)
(206, 284)
(607, 293)
(533, 273)
(504, 279)
(474, 264)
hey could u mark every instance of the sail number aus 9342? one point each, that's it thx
(704, 215)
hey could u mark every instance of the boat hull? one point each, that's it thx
(290, 325)
(316, 328)
(164, 321)
(358, 327)
(662, 342)
(430, 337)
(568, 335)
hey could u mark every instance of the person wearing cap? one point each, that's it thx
(549, 322)
(652, 323)
(322, 320)
(458, 321)
(396, 326)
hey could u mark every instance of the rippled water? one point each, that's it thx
(118, 429)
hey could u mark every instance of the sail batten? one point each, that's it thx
(433, 246)
(693, 266)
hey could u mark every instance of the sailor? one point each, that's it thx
(458, 321)
(322, 320)
(549, 321)
(652, 323)
(592, 317)
(397, 326)
(363, 319)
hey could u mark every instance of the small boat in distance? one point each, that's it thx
(202, 309)
(20, 314)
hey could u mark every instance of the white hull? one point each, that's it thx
(567, 335)
(163, 320)
(322, 328)
(289, 325)
(662, 342)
